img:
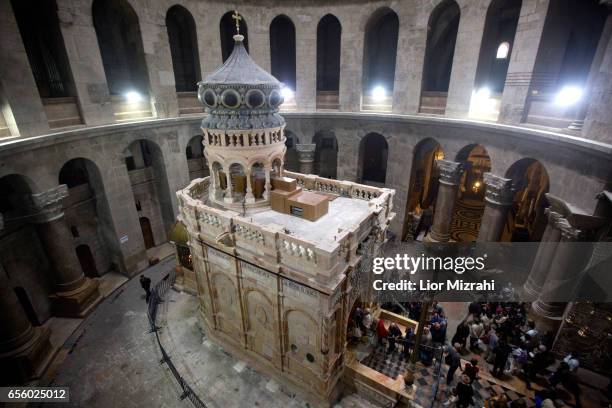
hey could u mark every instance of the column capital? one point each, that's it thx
(48, 204)
(306, 152)
(498, 190)
(450, 172)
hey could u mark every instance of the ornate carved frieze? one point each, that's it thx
(498, 190)
(450, 172)
(47, 206)
(306, 152)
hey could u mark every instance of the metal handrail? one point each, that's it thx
(157, 294)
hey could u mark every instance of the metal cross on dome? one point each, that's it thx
(237, 17)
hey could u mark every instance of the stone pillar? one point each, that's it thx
(17, 83)
(86, 65)
(351, 68)
(465, 60)
(598, 115)
(498, 199)
(306, 154)
(249, 197)
(450, 177)
(306, 64)
(567, 263)
(75, 295)
(527, 43)
(25, 351)
(544, 256)
(229, 194)
(158, 59)
(268, 187)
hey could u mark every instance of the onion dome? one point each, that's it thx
(241, 94)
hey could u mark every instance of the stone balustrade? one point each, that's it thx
(302, 256)
(243, 138)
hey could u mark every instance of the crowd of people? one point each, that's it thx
(500, 334)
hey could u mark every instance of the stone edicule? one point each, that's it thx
(275, 289)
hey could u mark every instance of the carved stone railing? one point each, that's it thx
(243, 138)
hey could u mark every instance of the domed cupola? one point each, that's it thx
(243, 133)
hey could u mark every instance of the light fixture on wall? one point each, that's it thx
(379, 93)
(569, 95)
(133, 96)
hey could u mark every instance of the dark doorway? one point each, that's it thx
(227, 29)
(147, 232)
(380, 50)
(87, 261)
(374, 151)
(282, 50)
(26, 304)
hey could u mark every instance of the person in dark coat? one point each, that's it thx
(502, 351)
(146, 285)
(461, 335)
(453, 359)
(465, 392)
(394, 334)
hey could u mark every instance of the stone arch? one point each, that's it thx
(85, 206)
(261, 323)
(258, 177)
(227, 304)
(469, 204)
(147, 171)
(329, 32)
(291, 155)
(282, 50)
(526, 220)
(442, 31)
(196, 158)
(422, 188)
(373, 154)
(379, 56)
(227, 30)
(122, 55)
(237, 177)
(326, 153)
(183, 40)
(302, 337)
(500, 26)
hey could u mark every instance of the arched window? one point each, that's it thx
(441, 38)
(380, 52)
(184, 48)
(227, 29)
(282, 50)
(500, 27)
(118, 32)
(44, 45)
(503, 50)
(329, 31)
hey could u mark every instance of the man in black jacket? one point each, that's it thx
(146, 285)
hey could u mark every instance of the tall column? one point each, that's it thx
(567, 263)
(83, 51)
(351, 68)
(498, 199)
(268, 187)
(229, 194)
(521, 70)
(465, 61)
(75, 295)
(250, 198)
(17, 83)
(544, 255)
(306, 154)
(306, 66)
(598, 118)
(159, 65)
(450, 177)
(25, 351)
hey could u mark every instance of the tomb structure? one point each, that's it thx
(280, 258)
